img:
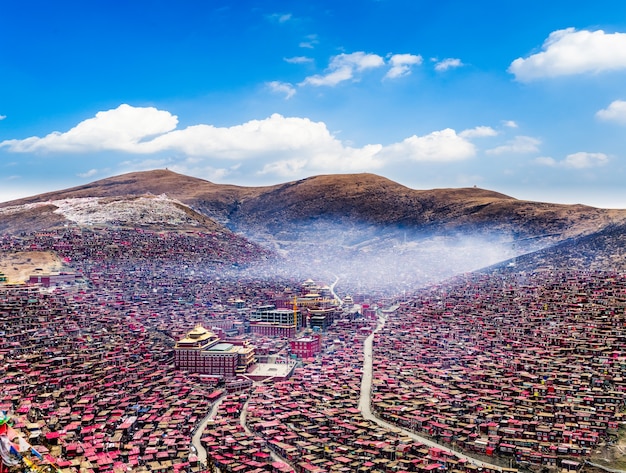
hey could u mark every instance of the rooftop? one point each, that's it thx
(222, 347)
(273, 369)
(199, 333)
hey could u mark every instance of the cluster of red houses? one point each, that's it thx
(530, 366)
(232, 448)
(534, 368)
(312, 420)
(87, 368)
(89, 391)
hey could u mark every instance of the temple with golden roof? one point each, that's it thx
(201, 351)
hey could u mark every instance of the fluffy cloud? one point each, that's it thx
(120, 129)
(344, 67)
(439, 146)
(615, 112)
(449, 63)
(580, 160)
(286, 146)
(519, 144)
(401, 65)
(584, 160)
(282, 88)
(2, 117)
(568, 52)
(332, 156)
(509, 124)
(478, 132)
(273, 135)
(141, 130)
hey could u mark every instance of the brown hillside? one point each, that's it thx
(351, 198)
(213, 200)
(155, 182)
(31, 220)
(376, 200)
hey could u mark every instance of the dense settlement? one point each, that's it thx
(133, 361)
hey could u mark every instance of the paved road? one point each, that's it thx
(242, 420)
(364, 402)
(195, 440)
(332, 289)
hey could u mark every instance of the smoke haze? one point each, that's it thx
(369, 258)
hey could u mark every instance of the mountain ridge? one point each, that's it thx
(368, 197)
(367, 203)
(371, 230)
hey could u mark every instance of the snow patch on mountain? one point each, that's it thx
(142, 210)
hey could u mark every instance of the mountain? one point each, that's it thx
(371, 199)
(599, 251)
(342, 223)
(350, 198)
(134, 211)
(215, 200)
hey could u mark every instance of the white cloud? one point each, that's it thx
(344, 67)
(2, 117)
(478, 132)
(438, 146)
(568, 52)
(615, 112)
(334, 156)
(90, 173)
(287, 146)
(401, 64)
(120, 129)
(449, 63)
(276, 134)
(280, 17)
(580, 160)
(584, 160)
(150, 131)
(519, 144)
(509, 124)
(298, 60)
(282, 88)
(546, 161)
(310, 43)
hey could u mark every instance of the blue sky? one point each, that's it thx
(526, 97)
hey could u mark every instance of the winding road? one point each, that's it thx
(332, 289)
(195, 440)
(364, 407)
(242, 420)
(200, 450)
(365, 400)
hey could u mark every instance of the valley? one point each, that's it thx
(502, 342)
